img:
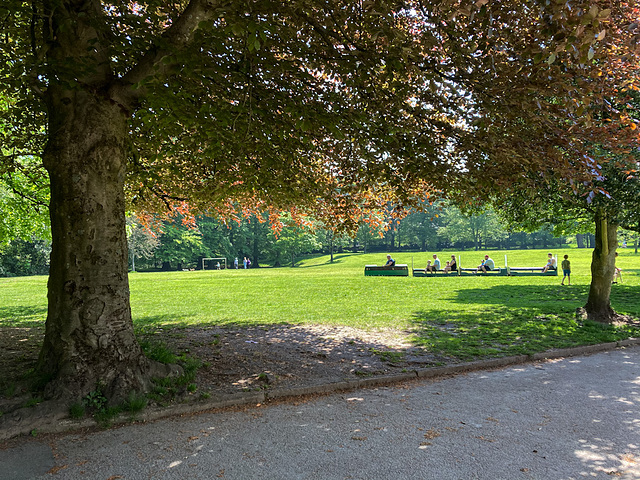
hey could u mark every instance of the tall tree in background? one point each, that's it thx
(480, 227)
(608, 197)
(264, 105)
(141, 242)
(567, 208)
(292, 240)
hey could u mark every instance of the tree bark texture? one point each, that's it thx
(89, 339)
(598, 305)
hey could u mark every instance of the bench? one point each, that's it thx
(399, 270)
(421, 272)
(496, 272)
(531, 271)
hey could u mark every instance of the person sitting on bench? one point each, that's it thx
(552, 263)
(453, 264)
(486, 266)
(436, 264)
(390, 262)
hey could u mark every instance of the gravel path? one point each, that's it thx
(569, 418)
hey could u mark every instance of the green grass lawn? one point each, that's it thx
(464, 317)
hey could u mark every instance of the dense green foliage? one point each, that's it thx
(177, 246)
(25, 257)
(180, 246)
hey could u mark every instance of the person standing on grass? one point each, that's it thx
(244, 262)
(235, 263)
(566, 270)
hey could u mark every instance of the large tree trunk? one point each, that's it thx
(598, 305)
(256, 244)
(331, 245)
(89, 337)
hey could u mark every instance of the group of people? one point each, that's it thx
(450, 265)
(246, 263)
(436, 266)
(488, 264)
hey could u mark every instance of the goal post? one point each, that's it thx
(214, 262)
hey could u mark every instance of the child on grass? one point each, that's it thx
(617, 272)
(566, 270)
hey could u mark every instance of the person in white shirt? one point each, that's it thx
(552, 263)
(436, 264)
(487, 265)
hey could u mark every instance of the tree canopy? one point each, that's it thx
(363, 99)
(328, 106)
(608, 192)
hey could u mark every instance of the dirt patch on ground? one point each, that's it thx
(245, 359)
(292, 356)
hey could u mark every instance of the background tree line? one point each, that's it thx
(177, 246)
(434, 229)
(174, 245)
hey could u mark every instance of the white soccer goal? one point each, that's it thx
(218, 263)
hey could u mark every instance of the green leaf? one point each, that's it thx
(238, 29)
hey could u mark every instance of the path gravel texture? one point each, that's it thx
(572, 418)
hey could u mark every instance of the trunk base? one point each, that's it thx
(606, 317)
(114, 384)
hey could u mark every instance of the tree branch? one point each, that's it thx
(154, 62)
(38, 56)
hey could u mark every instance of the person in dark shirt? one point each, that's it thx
(453, 264)
(566, 270)
(390, 262)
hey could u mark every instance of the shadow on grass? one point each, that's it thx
(240, 358)
(26, 316)
(631, 271)
(155, 323)
(518, 319)
(554, 299)
(152, 322)
(546, 298)
(337, 259)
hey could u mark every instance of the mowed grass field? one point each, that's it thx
(465, 317)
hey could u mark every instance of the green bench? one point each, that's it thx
(496, 272)
(532, 271)
(421, 272)
(399, 270)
